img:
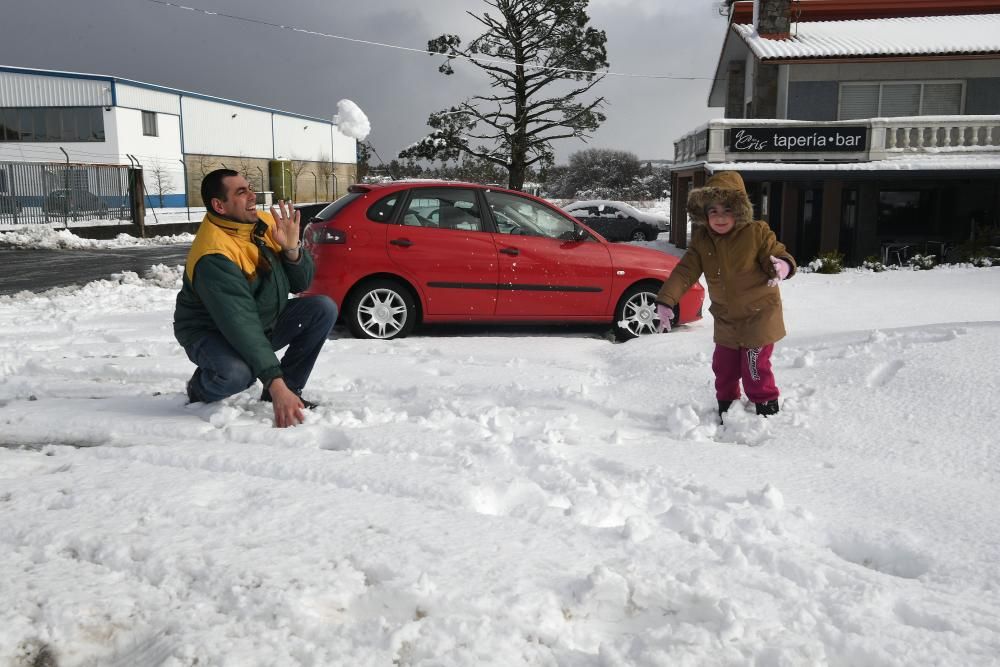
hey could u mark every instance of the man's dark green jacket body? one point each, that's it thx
(236, 282)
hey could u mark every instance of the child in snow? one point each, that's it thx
(743, 263)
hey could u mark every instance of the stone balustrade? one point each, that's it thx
(915, 135)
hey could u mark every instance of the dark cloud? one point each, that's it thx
(308, 74)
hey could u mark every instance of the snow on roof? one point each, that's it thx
(922, 35)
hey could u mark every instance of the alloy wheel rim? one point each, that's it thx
(382, 313)
(639, 314)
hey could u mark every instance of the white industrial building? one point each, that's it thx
(56, 117)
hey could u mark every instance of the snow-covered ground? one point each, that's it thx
(508, 498)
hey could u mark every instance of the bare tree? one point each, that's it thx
(298, 167)
(201, 165)
(198, 166)
(539, 56)
(244, 166)
(163, 182)
(325, 168)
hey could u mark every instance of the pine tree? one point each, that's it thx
(539, 56)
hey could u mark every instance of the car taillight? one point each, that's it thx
(322, 235)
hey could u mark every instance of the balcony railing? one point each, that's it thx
(885, 138)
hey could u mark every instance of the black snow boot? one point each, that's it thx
(192, 393)
(768, 409)
(723, 408)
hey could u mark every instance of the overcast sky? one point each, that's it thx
(259, 64)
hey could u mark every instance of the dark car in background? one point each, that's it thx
(399, 253)
(618, 221)
(307, 212)
(74, 202)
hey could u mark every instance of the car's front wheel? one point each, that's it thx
(637, 235)
(636, 312)
(382, 309)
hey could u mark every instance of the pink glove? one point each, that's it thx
(781, 270)
(665, 313)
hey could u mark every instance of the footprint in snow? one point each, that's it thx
(884, 373)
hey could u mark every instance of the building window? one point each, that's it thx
(45, 124)
(904, 213)
(149, 124)
(900, 98)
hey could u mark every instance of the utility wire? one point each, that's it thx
(499, 61)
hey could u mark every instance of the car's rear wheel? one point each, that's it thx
(382, 309)
(636, 312)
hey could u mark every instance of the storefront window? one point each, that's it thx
(848, 221)
(904, 213)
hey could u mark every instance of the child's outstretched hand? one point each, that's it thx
(781, 270)
(664, 313)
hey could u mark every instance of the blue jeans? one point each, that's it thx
(303, 326)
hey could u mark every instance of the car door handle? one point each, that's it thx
(513, 252)
(406, 243)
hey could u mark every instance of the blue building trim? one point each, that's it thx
(55, 73)
(172, 200)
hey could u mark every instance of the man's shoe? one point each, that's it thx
(192, 392)
(265, 396)
(768, 409)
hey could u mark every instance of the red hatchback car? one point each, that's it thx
(396, 254)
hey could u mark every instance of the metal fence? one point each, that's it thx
(60, 193)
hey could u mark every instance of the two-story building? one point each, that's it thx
(868, 127)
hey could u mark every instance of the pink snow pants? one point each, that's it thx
(750, 364)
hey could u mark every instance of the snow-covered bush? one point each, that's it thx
(873, 263)
(922, 262)
(829, 262)
(983, 262)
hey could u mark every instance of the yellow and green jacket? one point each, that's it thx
(236, 282)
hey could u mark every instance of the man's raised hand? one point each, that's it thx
(286, 225)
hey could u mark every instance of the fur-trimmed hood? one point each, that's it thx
(726, 188)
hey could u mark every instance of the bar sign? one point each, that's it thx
(798, 139)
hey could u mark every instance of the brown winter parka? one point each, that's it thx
(736, 265)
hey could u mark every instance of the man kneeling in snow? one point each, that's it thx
(233, 309)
